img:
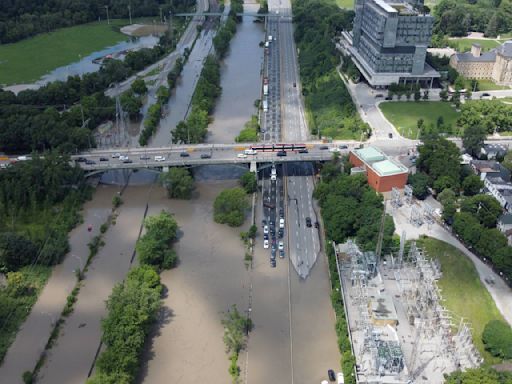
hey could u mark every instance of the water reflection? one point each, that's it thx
(86, 64)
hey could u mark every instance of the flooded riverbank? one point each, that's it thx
(240, 81)
(187, 345)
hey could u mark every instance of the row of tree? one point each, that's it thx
(62, 114)
(208, 89)
(332, 112)
(133, 305)
(132, 308)
(19, 20)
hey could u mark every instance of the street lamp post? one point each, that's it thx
(108, 19)
(130, 12)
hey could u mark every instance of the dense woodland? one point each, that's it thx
(20, 19)
(457, 18)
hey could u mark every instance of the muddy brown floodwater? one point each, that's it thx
(187, 345)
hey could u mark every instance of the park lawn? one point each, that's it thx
(464, 45)
(488, 85)
(27, 60)
(347, 4)
(464, 294)
(405, 115)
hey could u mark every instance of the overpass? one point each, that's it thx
(194, 155)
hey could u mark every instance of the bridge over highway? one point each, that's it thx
(200, 154)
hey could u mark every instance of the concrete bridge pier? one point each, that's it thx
(253, 167)
(165, 169)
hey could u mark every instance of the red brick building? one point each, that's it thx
(383, 174)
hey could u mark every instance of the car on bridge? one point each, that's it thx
(116, 155)
(144, 157)
(103, 158)
(159, 158)
(184, 154)
(241, 156)
(127, 161)
(123, 157)
(90, 162)
(206, 156)
(78, 159)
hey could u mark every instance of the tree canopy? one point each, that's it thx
(178, 182)
(497, 338)
(230, 207)
(19, 20)
(155, 246)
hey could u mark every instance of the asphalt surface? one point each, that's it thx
(303, 240)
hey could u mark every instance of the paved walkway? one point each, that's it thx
(500, 292)
(31, 339)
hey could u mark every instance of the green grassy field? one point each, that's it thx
(26, 61)
(405, 115)
(464, 293)
(348, 4)
(488, 85)
(464, 45)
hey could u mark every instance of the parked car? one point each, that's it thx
(265, 244)
(103, 158)
(241, 156)
(159, 158)
(390, 135)
(184, 154)
(205, 156)
(281, 223)
(317, 224)
(265, 229)
(308, 222)
(281, 253)
(281, 245)
(280, 233)
(379, 95)
(145, 157)
(331, 375)
(273, 263)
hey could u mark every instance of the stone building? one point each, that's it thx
(495, 65)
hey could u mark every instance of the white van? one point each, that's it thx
(269, 38)
(159, 158)
(265, 106)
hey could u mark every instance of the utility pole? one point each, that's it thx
(130, 12)
(108, 19)
(170, 26)
(161, 19)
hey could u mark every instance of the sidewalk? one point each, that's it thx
(31, 339)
